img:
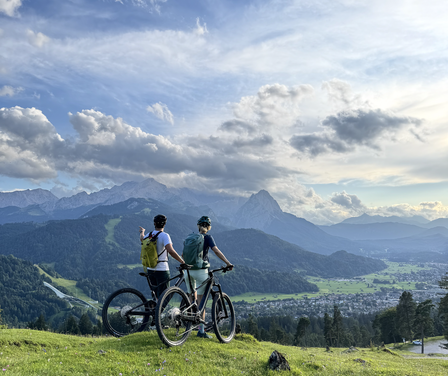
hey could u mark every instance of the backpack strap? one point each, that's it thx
(155, 238)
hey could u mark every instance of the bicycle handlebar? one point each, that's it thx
(223, 269)
(184, 267)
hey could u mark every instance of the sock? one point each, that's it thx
(201, 328)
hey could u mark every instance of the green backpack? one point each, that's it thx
(194, 250)
(148, 255)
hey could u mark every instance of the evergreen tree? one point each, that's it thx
(85, 325)
(443, 313)
(98, 328)
(405, 315)
(338, 325)
(385, 322)
(71, 326)
(252, 327)
(423, 322)
(303, 324)
(328, 329)
(40, 323)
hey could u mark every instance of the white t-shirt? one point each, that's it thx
(162, 240)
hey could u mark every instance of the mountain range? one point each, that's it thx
(364, 235)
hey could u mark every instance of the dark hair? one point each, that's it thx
(159, 221)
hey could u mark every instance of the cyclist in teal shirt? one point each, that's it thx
(199, 276)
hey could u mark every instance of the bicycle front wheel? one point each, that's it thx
(223, 318)
(126, 311)
(173, 316)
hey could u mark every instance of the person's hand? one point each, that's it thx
(142, 229)
(229, 266)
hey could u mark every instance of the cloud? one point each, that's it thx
(9, 7)
(200, 30)
(37, 40)
(237, 126)
(347, 201)
(152, 5)
(10, 91)
(29, 144)
(110, 149)
(274, 105)
(353, 128)
(161, 111)
(340, 92)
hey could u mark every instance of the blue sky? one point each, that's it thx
(335, 107)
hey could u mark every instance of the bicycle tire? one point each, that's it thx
(171, 307)
(224, 327)
(115, 315)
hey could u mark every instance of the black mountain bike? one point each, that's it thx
(127, 310)
(177, 317)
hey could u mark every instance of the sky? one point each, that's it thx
(337, 107)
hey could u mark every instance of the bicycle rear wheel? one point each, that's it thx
(126, 311)
(223, 317)
(172, 314)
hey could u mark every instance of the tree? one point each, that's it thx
(423, 321)
(405, 315)
(328, 329)
(443, 313)
(338, 325)
(71, 326)
(98, 328)
(85, 325)
(252, 327)
(40, 323)
(302, 325)
(385, 322)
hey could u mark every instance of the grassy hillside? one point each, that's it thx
(26, 352)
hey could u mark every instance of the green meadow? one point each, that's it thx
(110, 227)
(70, 285)
(27, 352)
(362, 284)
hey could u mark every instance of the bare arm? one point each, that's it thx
(221, 256)
(173, 253)
(142, 233)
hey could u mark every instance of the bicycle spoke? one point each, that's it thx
(174, 316)
(126, 311)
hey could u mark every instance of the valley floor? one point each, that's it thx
(27, 352)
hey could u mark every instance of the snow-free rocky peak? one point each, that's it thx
(25, 198)
(258, 211)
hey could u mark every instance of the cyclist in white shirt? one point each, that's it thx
(160, 275)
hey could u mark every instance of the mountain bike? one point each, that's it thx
(178, 314)
(127, 310)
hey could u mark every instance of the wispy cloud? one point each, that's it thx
(161, 111)
(37, 39)
(9, 7)
(9, 91)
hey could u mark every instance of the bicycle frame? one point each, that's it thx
(210, 282)
(180, 277)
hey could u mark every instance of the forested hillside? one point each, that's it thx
(102, 253)
(23, 295)
(256, 249)
(91, 247)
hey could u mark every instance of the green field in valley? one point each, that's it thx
(362, 284)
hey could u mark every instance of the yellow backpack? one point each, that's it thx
(148, 255)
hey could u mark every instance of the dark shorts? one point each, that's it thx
(160, 279)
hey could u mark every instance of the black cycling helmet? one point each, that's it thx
(160, 221)
(204, 220)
